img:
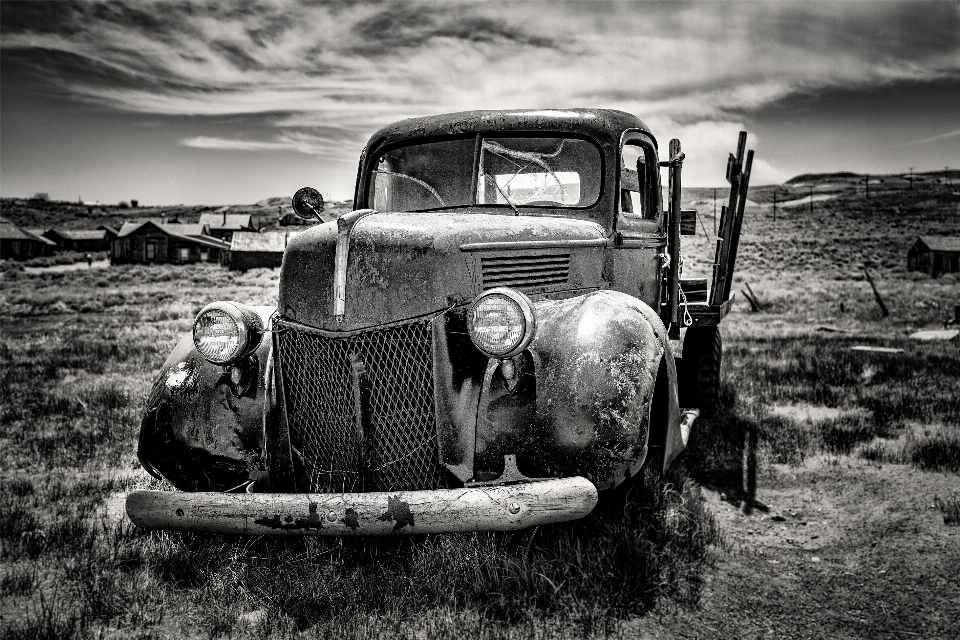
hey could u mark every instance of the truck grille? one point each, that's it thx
(525, 272)
(360, 408)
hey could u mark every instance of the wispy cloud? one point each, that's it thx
(694, 68)
(936, 138)
(317, 145)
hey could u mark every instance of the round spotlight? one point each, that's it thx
(501, 322)
(224, 332)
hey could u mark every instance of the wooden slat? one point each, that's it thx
(728, 231)
(688, 222)
(695, 289)
(734, 240)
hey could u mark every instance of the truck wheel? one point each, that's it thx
(698, 370)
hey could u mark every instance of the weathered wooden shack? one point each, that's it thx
(935, 255)
(257, 250)
(20, 244)
(223, 225)
(151, 242)
(84, 240)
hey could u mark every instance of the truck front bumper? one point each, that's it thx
(490, 508)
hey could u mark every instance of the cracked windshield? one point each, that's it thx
(509, 173)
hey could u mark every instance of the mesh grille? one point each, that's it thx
(361, 410)
(525, 272)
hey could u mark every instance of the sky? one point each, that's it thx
(233, 102)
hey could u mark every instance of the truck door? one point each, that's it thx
(634, 262)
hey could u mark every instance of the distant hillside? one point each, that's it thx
(45, 214)
(847, 177)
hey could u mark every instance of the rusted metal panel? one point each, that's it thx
(595, 362)
(498, 508)
(203, 425)
(405, 265)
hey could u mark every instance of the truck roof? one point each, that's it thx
(602, 124)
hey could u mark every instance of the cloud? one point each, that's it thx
(936, 138)
(698, 68)
(333, 145)
(207, 142)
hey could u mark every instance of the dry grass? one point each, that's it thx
(80, 349)
(74, 378)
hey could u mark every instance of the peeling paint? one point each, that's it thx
(397, 511)
(351, 519)
(313, 521)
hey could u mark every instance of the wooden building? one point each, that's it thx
(20, 244)
(935, 255)
(151, 242)
(83, 240)
(223, 225)
(258, 250)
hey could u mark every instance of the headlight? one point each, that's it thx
(501, 322)
(224, 332)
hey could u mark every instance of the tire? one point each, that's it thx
(698, 370)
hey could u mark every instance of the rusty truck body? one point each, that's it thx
(487, 342)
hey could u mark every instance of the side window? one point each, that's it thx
(633, 174)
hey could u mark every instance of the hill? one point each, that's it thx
(45, 214)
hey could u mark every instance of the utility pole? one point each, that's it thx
(945, 169)
(866, 181)
(911, 177)
(811, 198)
(774, 205)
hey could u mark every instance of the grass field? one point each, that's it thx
(79, 350)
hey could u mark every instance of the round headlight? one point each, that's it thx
(224, 332)
(501, 322)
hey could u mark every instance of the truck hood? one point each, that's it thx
(405, 265)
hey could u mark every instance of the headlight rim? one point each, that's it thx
(526, 308)
(249, 330)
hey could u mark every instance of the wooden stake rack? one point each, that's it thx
(728, 239)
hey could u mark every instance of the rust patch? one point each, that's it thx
(352, 520)
(398, 511)
(312, 521)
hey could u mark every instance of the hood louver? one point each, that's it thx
(526, 272)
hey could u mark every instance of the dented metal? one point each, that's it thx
(516, 441)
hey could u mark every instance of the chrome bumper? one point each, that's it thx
(496, 508)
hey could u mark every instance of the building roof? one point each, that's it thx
(192, 229)
(227, 221)
(80, 234)
(195, 233)
(170, 229)
(10, 231)
(271, 241)
(950, 244)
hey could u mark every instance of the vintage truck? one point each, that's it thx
(487, 341)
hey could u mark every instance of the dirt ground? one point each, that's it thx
(836, 548)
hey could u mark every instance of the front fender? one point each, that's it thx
(596, 359)
(203, 426)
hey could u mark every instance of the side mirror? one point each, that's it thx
(308, 204)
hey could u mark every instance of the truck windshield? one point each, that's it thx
(508, 172)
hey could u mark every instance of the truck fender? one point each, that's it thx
(203, 425)
(598, 359)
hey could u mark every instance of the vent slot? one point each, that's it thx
(525, 272)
